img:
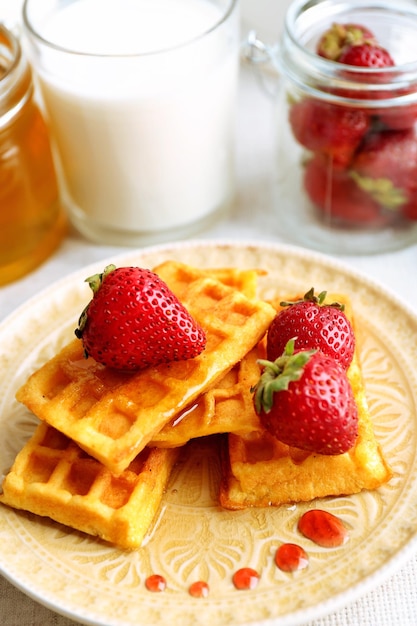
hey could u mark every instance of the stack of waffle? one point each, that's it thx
(102, 454)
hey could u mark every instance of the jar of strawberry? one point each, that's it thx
(347, 124)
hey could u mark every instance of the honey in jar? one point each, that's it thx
(32, 222)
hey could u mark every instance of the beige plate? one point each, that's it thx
(194, 539)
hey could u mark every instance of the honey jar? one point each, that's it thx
(347, 126)
(32, 221)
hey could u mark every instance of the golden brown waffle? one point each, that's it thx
(245, 281)
(113, 415)
(227, 408)
(260, 471)
(54, 478)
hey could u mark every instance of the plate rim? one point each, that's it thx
(293, 249)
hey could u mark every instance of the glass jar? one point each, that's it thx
(32, 222)
(347, 134)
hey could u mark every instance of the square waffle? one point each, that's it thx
(258, 470)
(113, 415)
(55, 478)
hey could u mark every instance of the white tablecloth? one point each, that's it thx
(394, 602)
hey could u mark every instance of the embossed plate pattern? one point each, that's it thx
(193, 539)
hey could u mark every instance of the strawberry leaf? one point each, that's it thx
(96, 280)
(278, 375)
(382, 190)
(310, 296)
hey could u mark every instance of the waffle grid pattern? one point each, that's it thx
(54, 477)
(114, 416)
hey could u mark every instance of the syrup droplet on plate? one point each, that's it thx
(155, 583)
(323, 528)
(246, 578)
(199, 589)
(291, 557)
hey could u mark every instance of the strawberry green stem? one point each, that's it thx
(95, 281)
(278, 374)
(311, 297)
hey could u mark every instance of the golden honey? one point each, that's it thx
(32, 222)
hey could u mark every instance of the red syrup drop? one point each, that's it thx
(155, 583)
(246, 578)
(199, 589)
(323, 528)
(290, 557)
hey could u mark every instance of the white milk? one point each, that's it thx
(145, 137)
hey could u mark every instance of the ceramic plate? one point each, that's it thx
(193, 539)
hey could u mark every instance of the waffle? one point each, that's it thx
(113, 415)
(260, 471)
(227, 408)
(55, 478)
(243, 280)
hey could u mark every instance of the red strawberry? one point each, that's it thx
(409, 210)
(366, 55)
(389, 154)
(134, 321)
(305, 400)
(386, 167)
(338, 198)
(338, 37)
(315, 325)
(329, 128)
(399, 117)
(369, 56)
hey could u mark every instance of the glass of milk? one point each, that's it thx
(140, 98)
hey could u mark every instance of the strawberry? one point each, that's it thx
(369, 56)
(338, 37)
(366, 55)
(409, 210)
(399, 117)
(332, 129)
(315, 325)
(135, 321)
(338, 198)
(357, 186)
(386, 167)
(305, 400)
(389, 154)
